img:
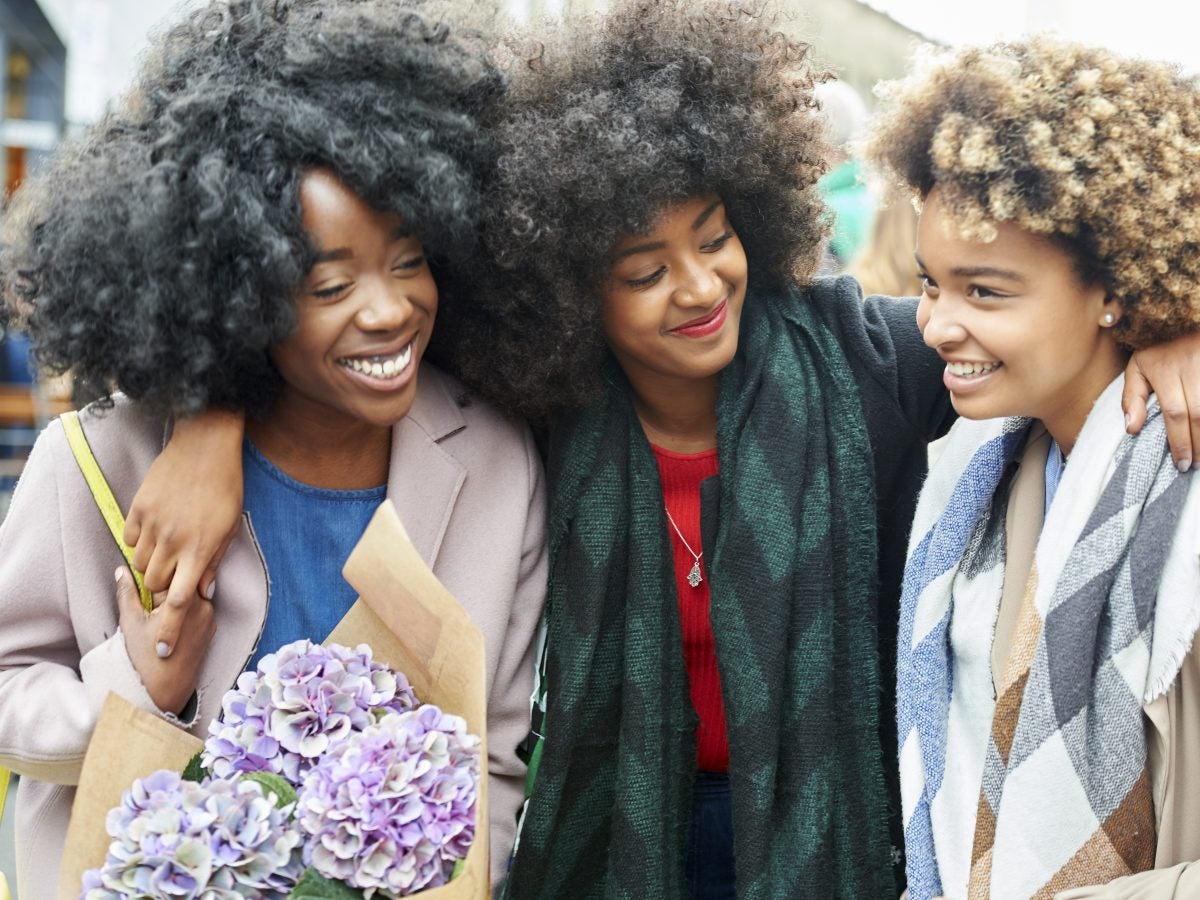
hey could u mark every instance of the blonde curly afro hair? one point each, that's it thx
(1097, 152)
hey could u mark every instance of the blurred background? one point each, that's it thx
(62, 62)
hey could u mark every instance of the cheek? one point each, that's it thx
(924, 311)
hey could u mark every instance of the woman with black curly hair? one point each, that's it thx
(1048, 667)
(259, 228)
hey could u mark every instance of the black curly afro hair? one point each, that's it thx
(160, 254)
(607, 121)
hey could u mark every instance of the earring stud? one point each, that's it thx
(1109, 318)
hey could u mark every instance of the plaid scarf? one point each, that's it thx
(1046, 786)
(791, 570)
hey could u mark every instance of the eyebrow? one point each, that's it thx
(977, 271)
(658, 245)
(346, 253)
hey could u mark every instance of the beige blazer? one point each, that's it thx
(1172, 721)
(468, 486)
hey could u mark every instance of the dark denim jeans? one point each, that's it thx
(710, 839)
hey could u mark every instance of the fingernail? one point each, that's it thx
(1183, 465)
(211, 590)
(117, 575)
(1127, 420)
(162, 650)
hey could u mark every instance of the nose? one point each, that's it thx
(385, 306)
(700, 283)
(940, 320)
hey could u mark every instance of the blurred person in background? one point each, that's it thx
(885, 263)
(848, 196)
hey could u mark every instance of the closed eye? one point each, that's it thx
(410, 263)
(717, 243)
(647, 280)
(326, 293)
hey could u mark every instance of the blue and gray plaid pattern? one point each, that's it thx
(1064, 797)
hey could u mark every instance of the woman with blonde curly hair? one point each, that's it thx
(1049, 726)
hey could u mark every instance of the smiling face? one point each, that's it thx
(673, 298)
(1021, 335)
(365, 312)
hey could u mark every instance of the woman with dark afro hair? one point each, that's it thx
(734, 453)
(264, 226)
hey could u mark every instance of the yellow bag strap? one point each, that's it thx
(115, 520)
(103, 496)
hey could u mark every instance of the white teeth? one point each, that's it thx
(966, 370)
(378, 366)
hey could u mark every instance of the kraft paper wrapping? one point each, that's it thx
(409, 620)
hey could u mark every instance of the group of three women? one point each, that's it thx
(621, 237)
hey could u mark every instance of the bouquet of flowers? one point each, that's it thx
(322, 768)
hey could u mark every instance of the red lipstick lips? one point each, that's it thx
(710, 323)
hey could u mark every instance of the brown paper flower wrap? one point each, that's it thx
(410, 621)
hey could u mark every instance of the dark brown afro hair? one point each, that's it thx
(607, 121)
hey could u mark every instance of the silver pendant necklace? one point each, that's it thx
(693, 577)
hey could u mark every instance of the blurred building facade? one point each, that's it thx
(33, 80)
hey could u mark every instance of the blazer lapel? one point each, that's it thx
(423, 479)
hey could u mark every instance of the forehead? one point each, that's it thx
(331, 213)
(941, 244)
(672, 219)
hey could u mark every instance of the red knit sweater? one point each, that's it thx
(681, 474)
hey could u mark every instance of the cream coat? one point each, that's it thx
(469, 489)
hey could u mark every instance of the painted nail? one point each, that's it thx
(211, 590)
(1183, 465)
(162, 650)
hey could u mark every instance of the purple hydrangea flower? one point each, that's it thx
(176, 840)
(297, 703)
(392, 808)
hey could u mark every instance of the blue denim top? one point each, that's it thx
(306, 533)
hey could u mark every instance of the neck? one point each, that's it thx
(678, 414)
(1066, 420)
(320, 449)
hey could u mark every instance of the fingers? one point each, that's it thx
(133, 531)
(180, 597)
(1173, 399)
(208, 581)
(129, 604)
(159, 573)
(1134, 397)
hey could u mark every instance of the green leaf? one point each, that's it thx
(314, 886)
(458, 868)
(193, 771)
(273, 784)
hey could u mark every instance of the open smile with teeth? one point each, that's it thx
(972, 370)
(381, 367)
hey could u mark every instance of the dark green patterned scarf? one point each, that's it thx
(791, 572)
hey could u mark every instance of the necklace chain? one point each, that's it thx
(694, 576)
